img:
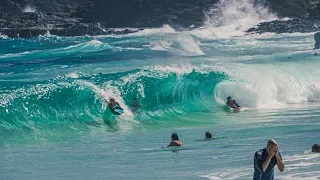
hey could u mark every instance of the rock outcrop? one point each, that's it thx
(303, 9)
(289, 26)
(30, 18)
(32, 24)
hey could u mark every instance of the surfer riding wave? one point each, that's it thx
(232, 103)
(115, 107)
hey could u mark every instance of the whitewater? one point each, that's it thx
(55, 124)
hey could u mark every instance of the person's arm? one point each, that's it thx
(266, 163)
(236, 104)
(181, 144)
(272, 153)
(280, 163)
(119, 105)
(113, 111)
(258, 161)
(171, 144)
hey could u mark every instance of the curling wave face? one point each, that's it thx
(51, 80)
(171, 74)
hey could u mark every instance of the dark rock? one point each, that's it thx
(95, 17)
(317, 39)
(290, 26)
(295, 8)
(27, 25)
(144, 13)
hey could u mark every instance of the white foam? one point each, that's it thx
(29, 9)
(3, 36)
(232, 18)
(177, 69)
(314, 92)
(73, 75)
(190, 46)
(161, 46)
(229, 174)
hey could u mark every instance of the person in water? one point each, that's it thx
(135, 105)
(316, 148)
(114, 105)
(265, 160)
(175, 140)
(208, 135)
(232, 103)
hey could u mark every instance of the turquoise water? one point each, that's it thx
(54, 121)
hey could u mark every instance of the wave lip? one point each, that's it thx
(73, 50)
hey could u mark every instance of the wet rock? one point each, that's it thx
(289, 26)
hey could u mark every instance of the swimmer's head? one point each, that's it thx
(229, 98)
(208, 135)
(316, 148)
(174, 137)
(112, 100)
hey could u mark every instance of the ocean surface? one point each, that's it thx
(55, 124)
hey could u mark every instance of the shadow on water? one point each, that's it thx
(212, 139)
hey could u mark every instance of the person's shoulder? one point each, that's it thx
(260, 152)
(176, 143)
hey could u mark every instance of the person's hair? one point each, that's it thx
(229, 97)
(271, 143)
(316, 148)
(208, 135)
(111, 99)
(175, 136)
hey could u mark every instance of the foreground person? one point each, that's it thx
(264, 161)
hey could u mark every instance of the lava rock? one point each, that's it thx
(302, 9)
(290, 26)
(97, 17)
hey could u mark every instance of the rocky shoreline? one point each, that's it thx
(287, 26)
(100, 17)
(33, 24)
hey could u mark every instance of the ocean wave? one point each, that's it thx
(75, 98)
(72, 50)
